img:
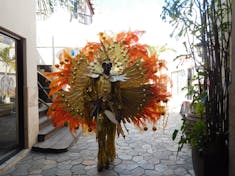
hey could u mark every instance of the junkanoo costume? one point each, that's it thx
(106, 85)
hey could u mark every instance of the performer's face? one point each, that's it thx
(107, 67)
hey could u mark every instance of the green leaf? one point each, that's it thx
(199, 109)
(174, 134)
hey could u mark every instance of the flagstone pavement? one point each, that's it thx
(140, 153)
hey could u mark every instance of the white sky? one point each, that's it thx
(110, 16)
(134, 15)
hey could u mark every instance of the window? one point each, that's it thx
(179, 80)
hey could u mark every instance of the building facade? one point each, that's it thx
(19, 119)
(18, 31)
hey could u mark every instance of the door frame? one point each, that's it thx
(20, 51)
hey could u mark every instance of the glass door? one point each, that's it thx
(10, 128)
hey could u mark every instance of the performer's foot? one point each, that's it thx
(99, 168)
(107, 166)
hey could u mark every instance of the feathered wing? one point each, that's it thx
(140, 105)
(71, 101)
(143, 94)
(134, 99)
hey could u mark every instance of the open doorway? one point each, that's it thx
(11, 95)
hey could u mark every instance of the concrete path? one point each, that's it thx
(141, 153)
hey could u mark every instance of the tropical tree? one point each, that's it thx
(76, 8)
(6, 59)
(9, 63)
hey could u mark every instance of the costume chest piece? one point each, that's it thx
(104, 87)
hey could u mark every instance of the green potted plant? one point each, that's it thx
(193, 129)
(207, 22)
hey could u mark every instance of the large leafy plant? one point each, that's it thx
(193, 131)
(207, 22)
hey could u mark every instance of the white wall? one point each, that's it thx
(18, 16)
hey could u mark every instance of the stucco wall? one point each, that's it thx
(18, 16)
(232, 106)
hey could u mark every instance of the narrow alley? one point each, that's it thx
(141, 153)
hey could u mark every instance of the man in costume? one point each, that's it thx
(108, 84)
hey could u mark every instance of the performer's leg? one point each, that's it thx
(101, 137)
(110, 142)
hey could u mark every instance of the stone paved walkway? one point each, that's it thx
(141, 153)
